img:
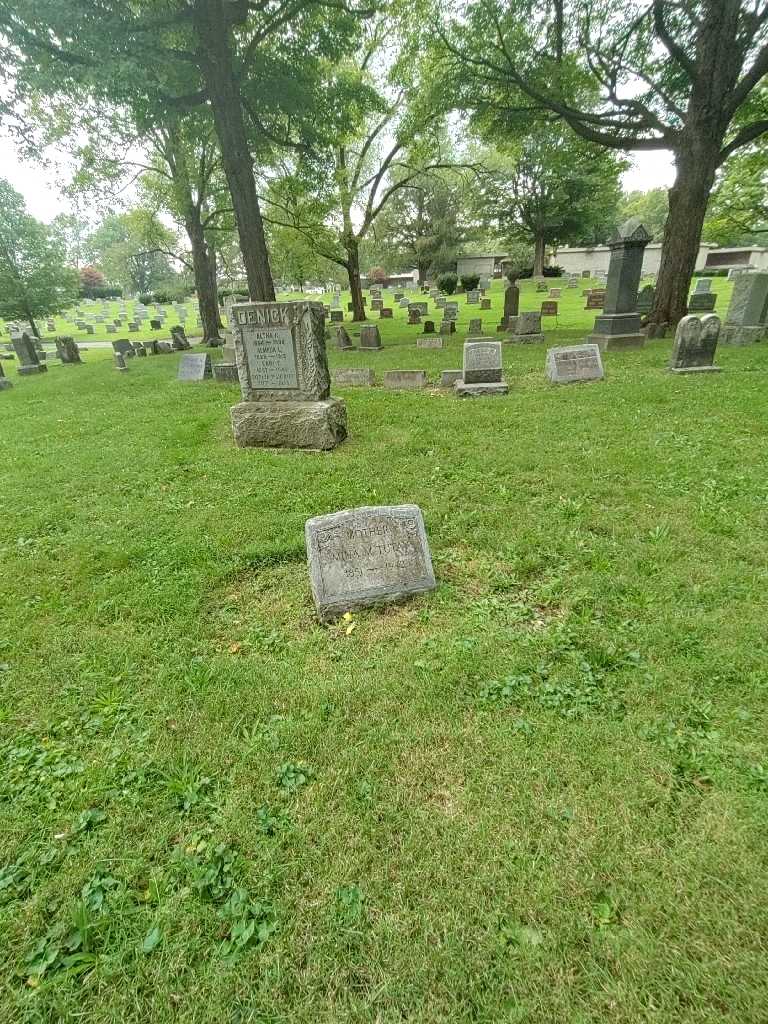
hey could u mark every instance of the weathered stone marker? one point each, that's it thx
(702, 302)
(354, 377)
(26, 353)
(343, 340)
(405, 380)
(67, 350)
(695, 344)
(5, 384)
(120, 363)
(745, 321)
(619, 325)
(435, 341)
(225, 373)
(195, 366)
(179, 338)
(367, 556)
(283, 371)
(569, 364)
(526, 328)
(370, 337)
(482, 370)
(449, 377)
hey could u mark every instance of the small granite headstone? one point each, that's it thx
(703, 285)
(337, 316)
(365, 556)
(571, 363)
(343, 340)
(435, 341)
(695, 344)
(475, 327)
(5, 384)
(370, 337)
(156, 325)
(482, 370)
(179, 338)
(225, 373)
(702, 302)
(429, 327)
(385, 313)
(195, 366)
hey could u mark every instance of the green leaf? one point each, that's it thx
(151, 940)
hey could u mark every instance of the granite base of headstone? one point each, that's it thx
(367, 556)
(570, 364)
(283, 371)
(695, 343)
(405, 380)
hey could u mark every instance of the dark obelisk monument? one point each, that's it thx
(618, 326)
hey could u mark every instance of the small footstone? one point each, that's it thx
(353, 378)
(367, 556)
(449, 377)
(405, 380)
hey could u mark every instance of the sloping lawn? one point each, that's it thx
(539, 794)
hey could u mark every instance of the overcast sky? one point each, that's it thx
(38, 184)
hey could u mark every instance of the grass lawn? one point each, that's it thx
(538, 794)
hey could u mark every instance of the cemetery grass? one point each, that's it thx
(538, 794)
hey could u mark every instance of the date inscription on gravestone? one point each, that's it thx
(271, 356)
(572, 363)
(364, 556)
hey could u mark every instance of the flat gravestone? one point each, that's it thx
(195, 366)
(695, 344)
(366, 556)
(572, 363)
(405, 380)
(353, 377)
(433, 342)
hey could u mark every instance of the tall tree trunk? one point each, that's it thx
(32, 324)
(213, 269)
(539, 251)
(207, 299)
(217, 67)
(423, 268)
(353, 272)
(688, 197)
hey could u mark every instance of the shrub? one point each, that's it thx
(377, 274)
(711, 272)
(470, 281)
(107, 292)
(447, 283)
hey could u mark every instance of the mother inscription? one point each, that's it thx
(365, 556)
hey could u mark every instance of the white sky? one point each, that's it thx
(38, 183)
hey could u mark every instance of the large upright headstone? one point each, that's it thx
(618, 326)
(283, 371)
(695, 344)
(366, 556)
(745, 321)
(511, 302)
(26, 353)
(482, 370)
